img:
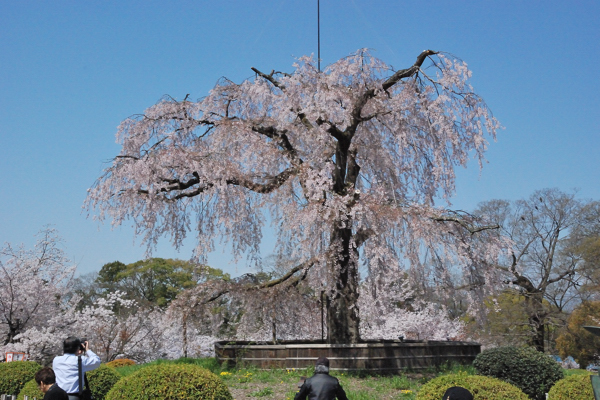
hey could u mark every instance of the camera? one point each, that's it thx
(82, 345)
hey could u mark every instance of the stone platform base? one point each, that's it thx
(376, 356)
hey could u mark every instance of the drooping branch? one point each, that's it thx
(305, 266)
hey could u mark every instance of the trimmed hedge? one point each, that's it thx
(14, 375)
(121, 362)
(170, 382)
(572, 387)
(32, 390)
(101, 380)
(482, 388)
(526, 368)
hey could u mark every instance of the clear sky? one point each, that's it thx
(70, 71)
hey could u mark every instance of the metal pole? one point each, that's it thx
(319, 34)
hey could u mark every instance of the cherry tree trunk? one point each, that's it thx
(342, 304)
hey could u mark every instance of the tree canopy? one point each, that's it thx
(348, 163)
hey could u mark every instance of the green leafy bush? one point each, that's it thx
(170, 382)
(528, 369)
(14, 375)
(572, 387)
(31, 390)
(482, 388)
(101, 380)
(121, 362)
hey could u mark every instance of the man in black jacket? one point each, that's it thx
(321, 386)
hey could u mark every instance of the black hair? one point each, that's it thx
(45, 375)
(71, 345)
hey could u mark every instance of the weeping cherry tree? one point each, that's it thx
(347, 163)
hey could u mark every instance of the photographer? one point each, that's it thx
(66, 366)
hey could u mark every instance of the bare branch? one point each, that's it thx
(471, 228)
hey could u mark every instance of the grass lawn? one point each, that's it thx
(248, 383)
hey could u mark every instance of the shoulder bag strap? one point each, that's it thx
(80, 376)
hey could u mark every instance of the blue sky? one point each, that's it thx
(70, 71)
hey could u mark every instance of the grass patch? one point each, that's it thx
(569, 372)
(262, 392)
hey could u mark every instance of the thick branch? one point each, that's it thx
(391, 81)
(302, 267)
(282, 138)
(568, 272)
(270, 78)
(273, 183)
(405, 73)
(353, 169)
(362, 236)
(263, 188)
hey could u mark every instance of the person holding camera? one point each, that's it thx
(66, 367)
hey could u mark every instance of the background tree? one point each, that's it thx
(154, 281)
(32, 283)
(114, 326)
(348, 162)
(576, 341)
(541, 265)
(506, 322)
(585, 244)
(390, 309)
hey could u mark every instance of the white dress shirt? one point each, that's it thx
(66, 371)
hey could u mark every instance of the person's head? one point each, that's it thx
(45, 378)
(457, 393)
(322, 366)
(71, 345)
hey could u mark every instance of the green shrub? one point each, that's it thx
(572, 387)
(101, 380)
(14, 375)
(121, 362)
(32, 390)
(528, 369)
(170, 382)
(482, 388)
